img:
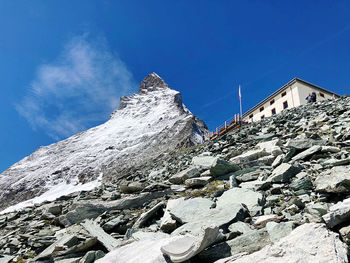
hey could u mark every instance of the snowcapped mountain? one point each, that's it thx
(145, 126)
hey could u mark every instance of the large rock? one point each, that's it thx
(216, 165)
(335, 180)
(338, 213)
(198, 181)
(142, 251)
(181, 177)
(105, 239)
(302, 144)
(5, 258)
(249, 156)
(142, 220)
(315, 211)
(271, 147)
(278, 230)
(283, 173)
(191, 210)
(307, 243)
(64, 242)
(249, 242)
(167, 223)
(307, 153)
(237, 195)
(91, 209)
(197, 213)
(187, 246)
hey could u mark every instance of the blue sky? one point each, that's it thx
(64, 64)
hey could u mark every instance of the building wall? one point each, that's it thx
(305, 90)
(290, 96)
(295, 96)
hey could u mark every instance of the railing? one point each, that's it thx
(228, 125)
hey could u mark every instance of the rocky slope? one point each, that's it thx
(275, 191)
(146, 125)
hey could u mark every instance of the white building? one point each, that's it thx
(291, 95)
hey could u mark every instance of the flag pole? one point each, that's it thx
(240, 103)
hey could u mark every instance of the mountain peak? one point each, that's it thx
(151, 83)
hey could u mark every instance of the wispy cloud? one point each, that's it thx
(77, 90)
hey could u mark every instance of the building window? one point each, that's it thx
(284, 94)
(272, 102)
(263, 116)
(251, 116)
(261, 109)
(285, 105)
(322, 95)
(273, 111)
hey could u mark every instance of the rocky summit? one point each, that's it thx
(145, 126)
(277, 190)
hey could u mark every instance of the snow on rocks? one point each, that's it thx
(145, 126)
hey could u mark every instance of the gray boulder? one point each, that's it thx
(249, 242)
(198, 181)
(315, 211)
(302, 144)
(180, 177)
(307, 243)
(216, 165)
(191, 210)
(307, 153)
(240, 196)
(335, 180)
(283, 173)
(338, 213)
(278, 230)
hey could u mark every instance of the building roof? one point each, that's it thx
(284, 87)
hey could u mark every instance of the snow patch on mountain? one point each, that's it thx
(145, 126)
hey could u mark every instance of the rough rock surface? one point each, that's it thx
(307, 243)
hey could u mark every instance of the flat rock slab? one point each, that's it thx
(239, 196)
(105, 239)
(249, 156)
(335, 180)
(64, 242)
(198, 181)
(278, 230)
(307, 153)
(5, 259)
(92, 209)
(338, 213)
(180, 177)
(191, 210)
(216, 165)
(283, 173)
(215, 216)
(143, 251)
(302, 144)
(307, 243)
(247, 243)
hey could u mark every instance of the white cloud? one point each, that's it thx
(80, 88)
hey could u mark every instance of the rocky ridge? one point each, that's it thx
(275, 191)
(145, 126)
